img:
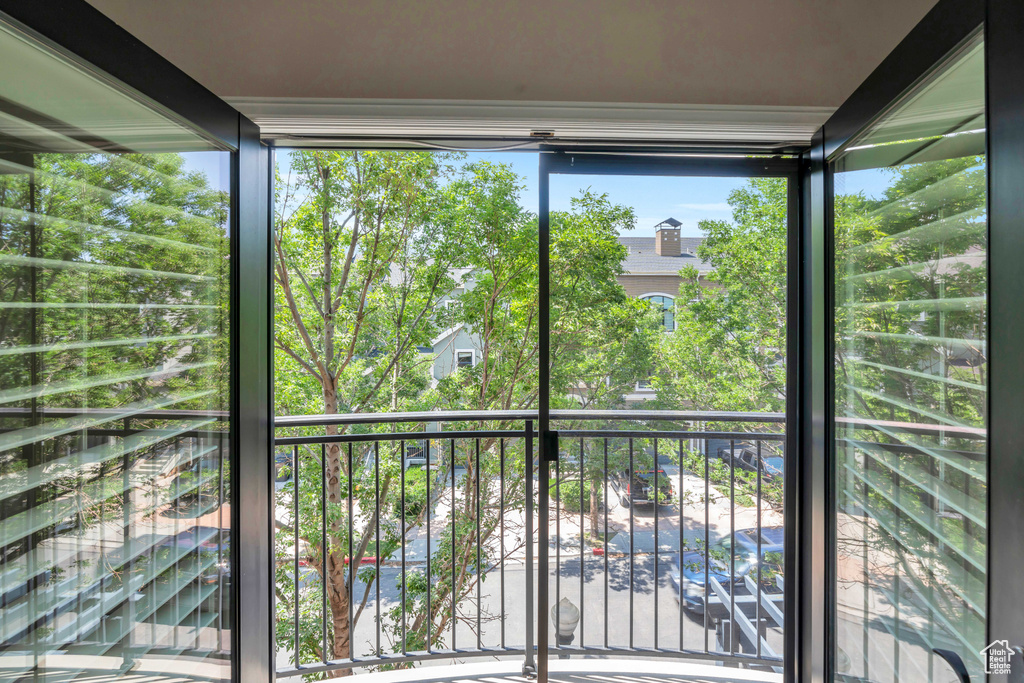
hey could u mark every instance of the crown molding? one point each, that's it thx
(283, 118)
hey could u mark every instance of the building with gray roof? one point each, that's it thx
(652, 264)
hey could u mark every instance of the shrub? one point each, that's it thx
(570, 495)
(415, 493)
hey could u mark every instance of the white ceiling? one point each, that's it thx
(287, 58)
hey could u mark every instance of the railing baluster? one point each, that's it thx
(455, 610)
(605, 541)
(530, 665)
(221, 591)
(707, 539)
(866, 568)
(558, 541)
(583, 603)
(430, 578)
(177, 560)
(351, 563)
(324, 545)
(629, 497)
(732, 546)
(295, 525)
(479, 604)
(501, 526)
(401, 525)
(682, 541)
(758, 622)
(376, 538)
(657, 578)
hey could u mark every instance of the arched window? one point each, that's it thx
(668, 308)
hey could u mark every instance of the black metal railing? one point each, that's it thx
(639, 507)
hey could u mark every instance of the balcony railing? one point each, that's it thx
(423, 536)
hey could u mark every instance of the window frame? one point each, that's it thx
(650, 296)
(457, 366)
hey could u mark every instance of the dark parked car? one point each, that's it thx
(640, 489)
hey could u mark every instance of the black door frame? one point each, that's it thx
(1004, 74)
(726, 164)
(87, 36)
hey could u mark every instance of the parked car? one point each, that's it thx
(640, 488)
(771, 465)
(744, 456)
(687, 576)
(772, 540)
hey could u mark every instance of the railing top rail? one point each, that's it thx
(668, 415)
(668, 434)
(496, 415)
(384, 418)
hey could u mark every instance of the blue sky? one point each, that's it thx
(653, 198)
(216, 166)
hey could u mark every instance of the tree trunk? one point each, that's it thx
(337, 594)
(337, 588)
(334, 466)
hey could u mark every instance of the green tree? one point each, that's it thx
(728, 349)
(601, 341)
(360, 266)
(410, 228)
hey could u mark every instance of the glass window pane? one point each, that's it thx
(668, 293)
(910, 382)
(666, 305)
(113, 381)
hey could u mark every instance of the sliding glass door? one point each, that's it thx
(910, 378)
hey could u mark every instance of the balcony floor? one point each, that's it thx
(634, 670)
